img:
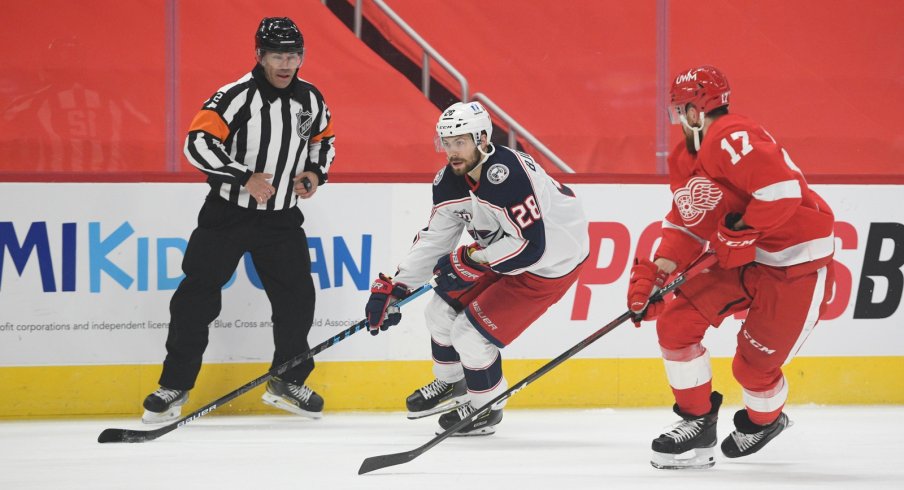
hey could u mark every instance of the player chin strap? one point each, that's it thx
(376, 462)
(697, 131)
(486, 155)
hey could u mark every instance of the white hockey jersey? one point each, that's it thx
(522, 218)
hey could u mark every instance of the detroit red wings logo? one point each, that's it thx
(697, 197)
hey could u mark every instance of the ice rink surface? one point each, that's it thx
(828, 447)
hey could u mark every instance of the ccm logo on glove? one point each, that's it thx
(728, 242)
(734, 248)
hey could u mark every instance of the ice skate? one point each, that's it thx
(436, 397)
(294, 398)
(482, 425)
(690, 443)
(748, 437)
(163, 405)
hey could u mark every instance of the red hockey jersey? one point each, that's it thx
(740, 168)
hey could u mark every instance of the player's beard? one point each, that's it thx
(471, 163)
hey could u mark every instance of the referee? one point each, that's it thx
(263, 141)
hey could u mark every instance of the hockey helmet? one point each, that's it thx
(464, 118)
(705, 87)
(279, 34)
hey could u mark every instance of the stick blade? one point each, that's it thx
(377, 462)
(125, 435)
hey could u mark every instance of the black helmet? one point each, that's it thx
(279, 34)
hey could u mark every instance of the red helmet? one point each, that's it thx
(705, 87)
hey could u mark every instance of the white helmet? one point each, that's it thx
(465, 118)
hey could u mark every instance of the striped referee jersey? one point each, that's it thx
(250, 126)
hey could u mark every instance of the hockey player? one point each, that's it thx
(530, 241)
(736, 187)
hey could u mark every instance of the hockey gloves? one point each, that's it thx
(458, 270)
(379, 312)
(734, 248)
(646, 279)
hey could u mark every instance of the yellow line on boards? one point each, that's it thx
(118, 390)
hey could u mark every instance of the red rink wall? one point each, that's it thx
(824, 77)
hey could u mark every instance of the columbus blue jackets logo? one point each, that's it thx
(497, 173)
(486, 237)
(305, 120)
(697, 197)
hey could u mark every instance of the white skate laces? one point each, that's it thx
(163, 405)
(302, 392)
(685, 430)
(746, 441)
(464, 410)
(434, 389)
(166, 394)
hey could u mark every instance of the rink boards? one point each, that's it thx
(88, 269)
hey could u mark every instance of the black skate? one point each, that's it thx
(436, 397)
(163, 405)
(297, 399)
(749, 438)
(481, 425)
(689, 445)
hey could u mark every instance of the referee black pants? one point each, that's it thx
(279, 250)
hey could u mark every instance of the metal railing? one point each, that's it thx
(429, 53)
(516, 129)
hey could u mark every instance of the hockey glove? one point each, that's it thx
(379, 312)
(734, 248)
(458, 270)
(646, 279)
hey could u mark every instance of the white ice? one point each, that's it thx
(828, 447)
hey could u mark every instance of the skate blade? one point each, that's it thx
(483, 431)
(277, 402)
(155, 418)
(446, 406)
(695, 459)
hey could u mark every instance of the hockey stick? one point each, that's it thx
(127, 435)
(377, 462)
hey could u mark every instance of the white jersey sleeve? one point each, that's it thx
(442, 233)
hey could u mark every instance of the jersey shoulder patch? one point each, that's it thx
(497, 173)
(448, 187)
(505, 179)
